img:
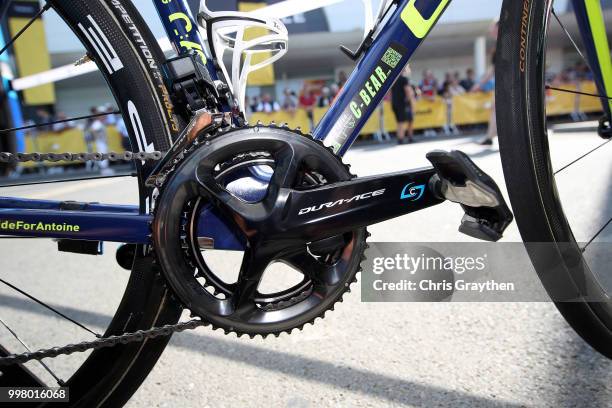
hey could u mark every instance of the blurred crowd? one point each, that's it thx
(94, 127)
(319, 94)
(312, 95)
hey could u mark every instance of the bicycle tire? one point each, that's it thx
(521, 113)
(127, 54)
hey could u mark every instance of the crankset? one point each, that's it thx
(285, 198)
(275, 164)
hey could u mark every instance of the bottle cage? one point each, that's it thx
(228, 31)
(371, 21)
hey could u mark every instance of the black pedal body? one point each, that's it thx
(459, 180)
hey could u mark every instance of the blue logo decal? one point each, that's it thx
(412, 192)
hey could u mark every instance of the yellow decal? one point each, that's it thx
(415, 21)
(10, 225)
(190, 45)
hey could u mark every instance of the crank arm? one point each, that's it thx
(338, 208)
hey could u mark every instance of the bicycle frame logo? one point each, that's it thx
(412, 192)
(415, 21)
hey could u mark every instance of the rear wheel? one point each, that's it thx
(129, 58)
(560, 187)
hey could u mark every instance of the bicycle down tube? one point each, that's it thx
(381, 64)
(377, 70)
(592, 27)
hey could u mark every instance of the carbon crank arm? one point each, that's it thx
(338, 208)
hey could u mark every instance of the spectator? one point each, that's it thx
(429, 85)
(268, 105)
(290, 101)
(403, 102)
(254, 104)
(455, 88)
(448, 79)
(307, 102)
(110, 119)
(95, 134)
(451, 89)
(125, 135)
(326, 98)
(342, 78)
(43, 117)
(486, 81)
(335, 90)
(60, 127)
(468, 83)
(457, 77)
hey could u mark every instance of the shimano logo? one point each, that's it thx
(344, 201)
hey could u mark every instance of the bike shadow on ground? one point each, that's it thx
(575, 370)
(343, 377)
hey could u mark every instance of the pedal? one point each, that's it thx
(459, 180)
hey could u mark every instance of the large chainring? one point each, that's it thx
(205, 182)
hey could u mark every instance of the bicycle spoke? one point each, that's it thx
(97, 115)
(597, 234)
(582, 157)
(6, 326)
(567, 33)
(577, 92)
(46, 306)
(42, 11)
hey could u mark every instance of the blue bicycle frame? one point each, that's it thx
(382, 61)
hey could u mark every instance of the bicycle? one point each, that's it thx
(208, 181)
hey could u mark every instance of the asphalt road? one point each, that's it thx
(362, 355)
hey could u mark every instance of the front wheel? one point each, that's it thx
(558, 177)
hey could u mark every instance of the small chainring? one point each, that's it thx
(238, 306)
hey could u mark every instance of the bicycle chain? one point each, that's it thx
(6, 157)
(102, 342)
(126, 338)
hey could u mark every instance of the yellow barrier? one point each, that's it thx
(427, 114)
(468, 109)
(71, 140)
(590, 104)
(430, 114)
(472, 108)
(562, 103)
